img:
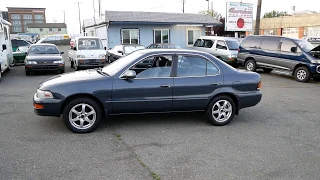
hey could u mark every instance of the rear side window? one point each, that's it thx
(251, 42)
(271, 44)
(221, 45)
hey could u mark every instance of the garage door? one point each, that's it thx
(313, 31)
(290, 32)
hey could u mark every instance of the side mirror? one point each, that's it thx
(61, 52)
(4, 47)
(294, 49)
(105, 48)
(74, 48)
(130, 74)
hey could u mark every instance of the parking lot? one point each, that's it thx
(277, 139)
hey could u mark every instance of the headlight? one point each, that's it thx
(315, 61)
(58, 62)
(31, 62)
(80, 56)
(44, 94)
(102, 55)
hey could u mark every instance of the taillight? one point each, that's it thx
(259, 85)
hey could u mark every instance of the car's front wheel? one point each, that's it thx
(221, 110)
(82, 115)
(302, 74)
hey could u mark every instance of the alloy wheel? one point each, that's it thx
(250, 66)
(82, 116)
(301, 74)
(222, 111)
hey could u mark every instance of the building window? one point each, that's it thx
(15, 16)
(161, 36)
(130, 36)
(192, 36)
(39, 21)
(50, 29)
(41, 29)
(59, 29)
(17, 29)
(38, 16)
(25, 22)
(27, 16)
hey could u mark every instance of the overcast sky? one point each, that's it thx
(55, 8)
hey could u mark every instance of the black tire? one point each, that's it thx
(302, 74)
(71, 64)
(27, 73)
(267, 70)
(213, 104)
(73, 103)
(251, 65)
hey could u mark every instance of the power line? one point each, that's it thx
(163, 5)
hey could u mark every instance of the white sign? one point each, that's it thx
(239, 16)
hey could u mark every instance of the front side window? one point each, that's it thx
(19, 43)
(43, 49)
(130, 36)
(153, 67)
(161, 36)
(89, 44)
(192, 36)
(221, 45)
(288, 46)
(208, 43)
(199, 43)
(192, 66)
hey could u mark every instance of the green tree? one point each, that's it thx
(213, 13)
(274, 13)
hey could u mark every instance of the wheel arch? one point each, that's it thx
(82, 95)
(297, 66)
(229, 94)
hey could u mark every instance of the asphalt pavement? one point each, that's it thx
(277, 139)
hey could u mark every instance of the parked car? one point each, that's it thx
(44, 57)
(21, 45)
(224, 48)
(194, 81)
(163, 46)
(121, 50)
(87, 52)
(298, 57)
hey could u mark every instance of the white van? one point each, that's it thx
(6, 57)
(224, 48)
(87, 52)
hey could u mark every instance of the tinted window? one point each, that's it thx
(233, 45)
(221, 45)
(19, 43)
(270, 44)
(195, 66)
(199, 43)
(208, 43)
(286, 45)
(251, 42)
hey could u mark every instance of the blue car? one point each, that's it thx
(149, 81)
(298, 57)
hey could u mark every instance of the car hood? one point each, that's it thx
(70, 78)
(46, 57)
(315, 49)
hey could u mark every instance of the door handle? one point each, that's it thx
(213, 84)
(165, 85)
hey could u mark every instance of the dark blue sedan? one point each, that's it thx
(149, 81)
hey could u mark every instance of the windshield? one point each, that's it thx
(121, 63)
(130, 49)
(43, 49)
(305, 45)
(89, 44)
(233, 45)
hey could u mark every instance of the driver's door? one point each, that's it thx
(150, 91)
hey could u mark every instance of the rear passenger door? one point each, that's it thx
(268, 54)
(195, 80)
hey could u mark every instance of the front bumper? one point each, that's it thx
(50, 107)
(44, 67)
(249, 99)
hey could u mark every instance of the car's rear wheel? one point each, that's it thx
(82, 115)
(221, 110)
(251, 65)
(302, 74)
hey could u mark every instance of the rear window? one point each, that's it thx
(251, 42)
(19, 43)
(233, 45)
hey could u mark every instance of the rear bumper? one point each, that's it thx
(249, 99)
(51, 107)
(44, 67)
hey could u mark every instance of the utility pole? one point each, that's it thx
(257, 27)
(64, 16)
(183, 1)
(94, 13)
(208, 6)
(79, 15)
(99, 8)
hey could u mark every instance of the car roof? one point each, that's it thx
(189, 51)
(217, 38)
(276, 36)
(85, 37)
